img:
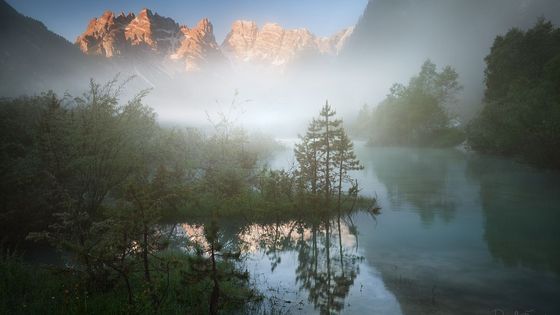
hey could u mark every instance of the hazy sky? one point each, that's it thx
(323, 17)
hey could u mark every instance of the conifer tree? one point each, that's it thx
(329, 132)
(345, 160)
(308, 155)
(325, 156)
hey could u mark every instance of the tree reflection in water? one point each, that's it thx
(419, 179)
(327, 258)
(325, 271)
(326, 246)
(521, 214)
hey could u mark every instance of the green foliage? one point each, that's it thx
(325, 156)
(25, 204)
(277, 188)
(99, 154)
(416, 114)
(28, 289)
(96, 178)
(521, 113)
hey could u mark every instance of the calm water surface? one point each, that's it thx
(458, 234)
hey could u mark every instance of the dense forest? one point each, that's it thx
(521, 113)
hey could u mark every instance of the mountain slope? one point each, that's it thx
(32, 57)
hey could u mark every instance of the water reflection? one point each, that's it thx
(327, 269)
(492, 239)
(459, 234)
(326, 265)
(521, 208)
(417, 178)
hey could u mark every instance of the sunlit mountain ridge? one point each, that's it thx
(148, 34)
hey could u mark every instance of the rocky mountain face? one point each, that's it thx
(148, 33)
(274, 45)
(121, 35)
(198, 46)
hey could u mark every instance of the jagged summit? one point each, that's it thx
(198, 46)
(149, 33)
(122, 35)
(275, 45)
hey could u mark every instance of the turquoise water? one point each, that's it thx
(459, 233)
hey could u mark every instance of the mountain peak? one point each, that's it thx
(244, 27)
(150, 33)
(272, 44)
(198, 46)
(145, 12)
(205, 25)
(107, 14)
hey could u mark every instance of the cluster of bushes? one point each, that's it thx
(96, 179)
(99, 180)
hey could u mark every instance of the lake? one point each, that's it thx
(458, 233)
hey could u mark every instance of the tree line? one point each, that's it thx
(521, 113)
(415, 114)
(520, 109)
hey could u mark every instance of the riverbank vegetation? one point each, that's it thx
(103, 183)
(520, 109)
(521, 112)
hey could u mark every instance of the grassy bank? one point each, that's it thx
(32, 289)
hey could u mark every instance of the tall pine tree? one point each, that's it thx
(325, 155)
(345, 160)
(308, 155)
(330, 130)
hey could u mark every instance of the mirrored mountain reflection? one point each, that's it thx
(327, 261)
